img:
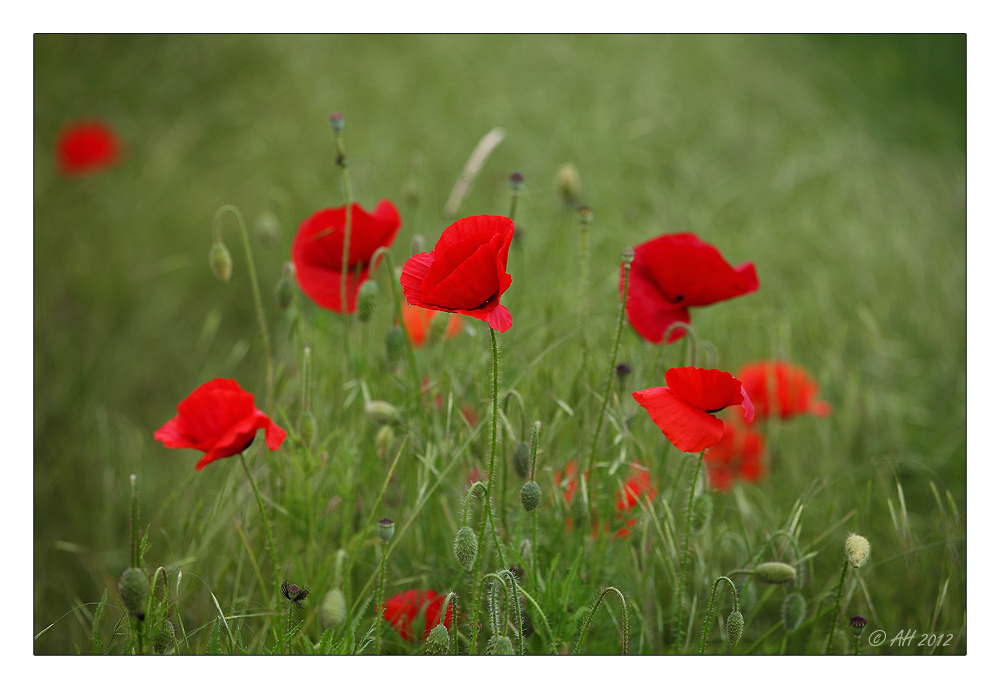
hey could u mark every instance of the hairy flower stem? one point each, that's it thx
(411, 359)
(348, 200)
(217, 233)
(836, 607)
(590, 617)
(133, 551)
(684, 559)
(534, 513)
(711, 609)
(267, 525)
(628, 255)
(489, 493)
(378, 606)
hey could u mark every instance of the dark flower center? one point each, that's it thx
(486, 303)
(714, 411)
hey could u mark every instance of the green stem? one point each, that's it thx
(593, 609)
(836, 608)
(684, 559)
(217, 231)
(711, 609)
(534, 513)
(692, 352)
(541, 616)
(134, 545)
(267, 525)
(489, 494)
(378, 608)
(517, 608)
(584, 288)
(348, 203)
(628, 255)
(411, 359)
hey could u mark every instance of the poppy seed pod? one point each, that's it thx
(531, 495)
(437, 641)
(163, 640)
(267, 226)
(382, 413)
(394, 345)
(857, 549)
(386, 528)
(367, 298)
(337, 122)
(858, 625)
(133, 587)
(516, 181)
(466, 547)
(734, 627)
(793, 611)
(522, 458)
(333, 609)
(568, 183)
(774, 572)
(307, 427)
(221, 261)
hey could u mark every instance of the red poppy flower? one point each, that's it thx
(781, 389)
(416, 606)
(318, 251)
(683, 410)
(467, 271)
(737, 455)
(86, 147)
(417, 323)
(219, 418)
(635, 488)
(673, 272)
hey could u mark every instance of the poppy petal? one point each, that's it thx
(706, 389)
(688, 428)
(463, 276)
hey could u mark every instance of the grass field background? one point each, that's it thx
(835, 163)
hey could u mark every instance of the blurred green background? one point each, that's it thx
(835, 163)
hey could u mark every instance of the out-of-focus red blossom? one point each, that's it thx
(469, 414)
(738, 455)
(781, 389)
(684, 409)
(219, 418)
(318, 251)
(673, 272)
(416, 611)
(417, 323)
(466, 272)
(635, 487)
(86, 147)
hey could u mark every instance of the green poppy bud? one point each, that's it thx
(531, 495)
(437, 641)
(568, 183)
(267, 226)
(333, 609)
(522, 459)
(367, 298)
(221, 261)
(500, 646)
(734, 627)
(394, 345)
(857, 549)
(165, 637)
(133, 587)
(793, 611)
(774, 572)
(382, 413)
(307, 427)
(466, 547)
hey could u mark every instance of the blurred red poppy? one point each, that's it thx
(416, 607)
(634, 489)
(417, 323)
(466, 272)
(318, 249)
(684, 409)
(738, 455)
(86, 147)
(219, 418)
(673, 272)
(781, 389)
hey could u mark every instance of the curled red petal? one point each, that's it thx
(705, 388)
(688, 428)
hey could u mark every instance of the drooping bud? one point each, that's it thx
(437, 641)
(568, 183)
(734, 627)
(333, 609)
(367, 298)
(163, 640)
(857, 549)
(531, 495)
(500, 646)
(394, 345)
(774, 572)
(793, 611)
(133, 587)
(307, 427)
(382, 413)
(522, 458)
(221, 261)
(267, 226)
(466, 547)
(386, 528)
